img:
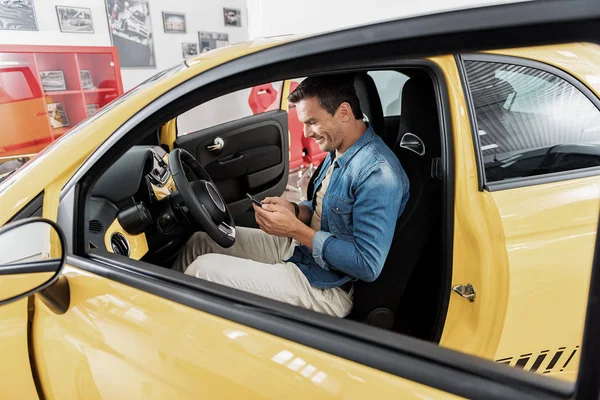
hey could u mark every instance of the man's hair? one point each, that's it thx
(330, 91)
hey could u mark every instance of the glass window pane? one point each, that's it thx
(230, 107)
(531, 122)
(389, 86)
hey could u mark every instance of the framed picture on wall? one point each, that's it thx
(53, 80)
(212, 40)
(75, 19)
(91, 109)
(131, 32)
(86, 79)
(174, 22)
(189, 49)
(232, 16)
(17, 15)
(57, 115)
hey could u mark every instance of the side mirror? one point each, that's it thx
(32, 256)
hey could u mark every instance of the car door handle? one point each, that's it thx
(465, 291)
(230, 159)
(217, 145)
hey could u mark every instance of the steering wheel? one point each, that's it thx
(202, 198)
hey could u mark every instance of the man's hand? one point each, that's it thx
(279, 221)
(276, 219)
(305, 213)
(279, 202)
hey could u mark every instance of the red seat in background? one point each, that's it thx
(313, 155)
(297, 159)
(261, 98)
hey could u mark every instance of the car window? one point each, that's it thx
(531, 122)
(230, 107)
(389, 86)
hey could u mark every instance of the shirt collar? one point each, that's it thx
(352, 150)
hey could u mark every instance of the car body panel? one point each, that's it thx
(550, 234)
(16, 378)
(115, 339)
(479, 255)
(550, 231)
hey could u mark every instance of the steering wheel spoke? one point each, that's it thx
(202, 198)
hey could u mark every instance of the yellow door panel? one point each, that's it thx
(119, 342)
(16, 379)
(550, 232)
(479, 254)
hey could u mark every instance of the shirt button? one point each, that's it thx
(337, 209)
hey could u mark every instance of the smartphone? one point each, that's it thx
(254, 200)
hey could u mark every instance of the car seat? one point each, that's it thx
(418, 149)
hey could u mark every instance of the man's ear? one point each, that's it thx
(345, 112)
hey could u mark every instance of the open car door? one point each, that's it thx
(248, 155)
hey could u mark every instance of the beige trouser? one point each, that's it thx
(255, 264)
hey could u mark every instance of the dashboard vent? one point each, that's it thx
(96, 226)
(119, 244)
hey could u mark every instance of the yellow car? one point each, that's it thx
(492, 256)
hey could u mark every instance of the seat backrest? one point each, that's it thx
(370, 103)
(262, 97)
(376, 302)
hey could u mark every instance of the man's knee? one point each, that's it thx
(208, 267)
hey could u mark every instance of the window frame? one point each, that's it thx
(528, 63)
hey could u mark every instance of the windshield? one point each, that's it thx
(10, 165)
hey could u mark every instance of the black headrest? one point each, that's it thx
(369, 101)
(419, 113)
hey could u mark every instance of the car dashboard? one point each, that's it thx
(129, 210)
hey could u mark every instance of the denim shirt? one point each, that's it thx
(367, 193)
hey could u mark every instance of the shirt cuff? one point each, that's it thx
(307, 204)
(318, 244)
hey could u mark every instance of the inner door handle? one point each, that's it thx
(217, 145)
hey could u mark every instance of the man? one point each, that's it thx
(309, 254)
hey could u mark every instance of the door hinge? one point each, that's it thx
(465, 291)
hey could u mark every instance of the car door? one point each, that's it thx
(536, 124)
(245, 149)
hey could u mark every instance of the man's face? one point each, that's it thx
(324, 128)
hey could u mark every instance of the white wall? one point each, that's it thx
(277, 17)
(200, 16)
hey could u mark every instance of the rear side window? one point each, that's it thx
(389, 86)
(531, 122)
